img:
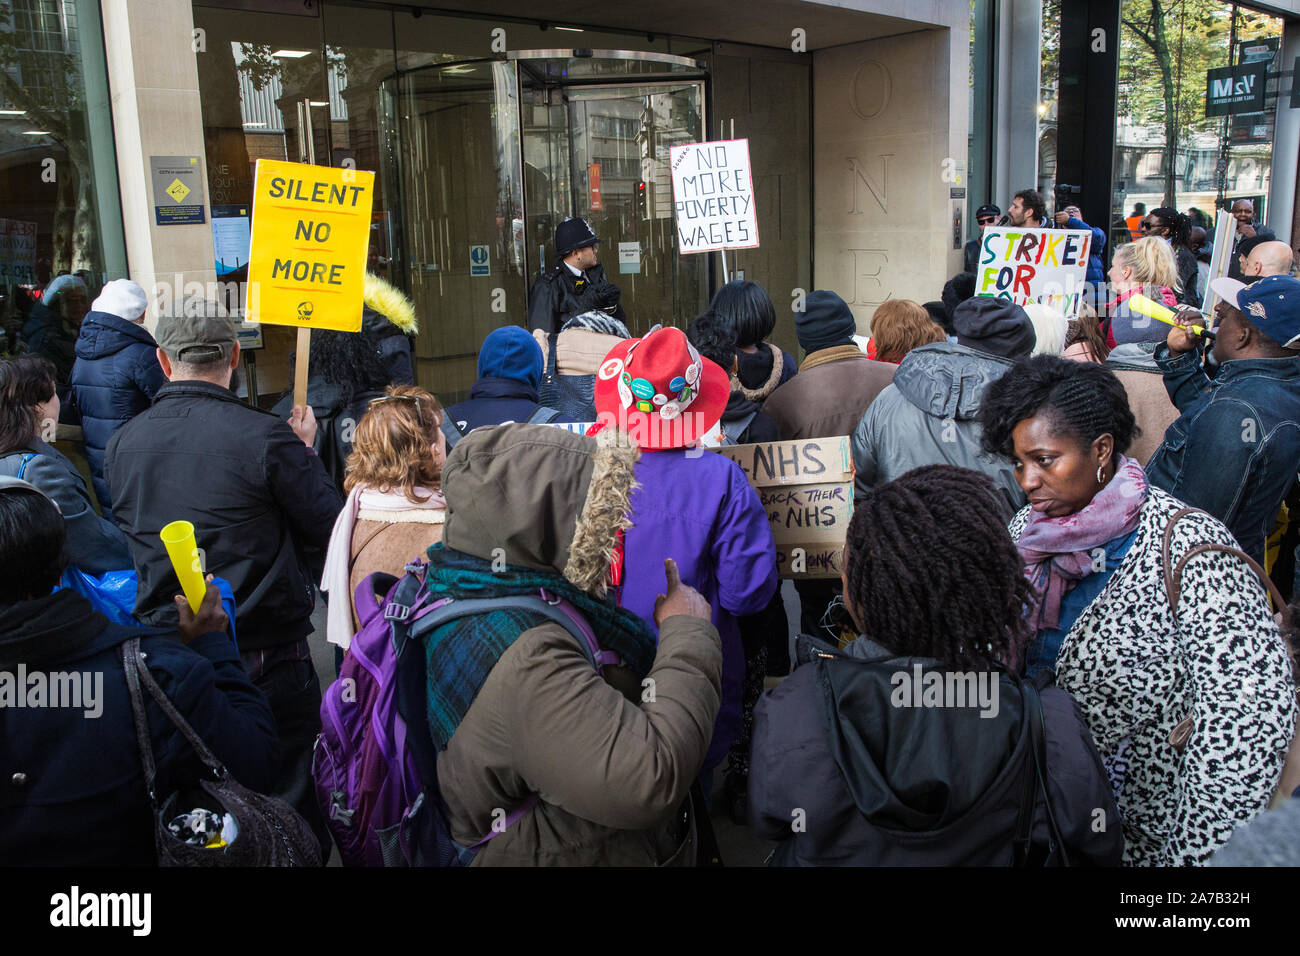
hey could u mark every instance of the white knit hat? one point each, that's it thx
(122, 298)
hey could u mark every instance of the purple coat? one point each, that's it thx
(701, 512)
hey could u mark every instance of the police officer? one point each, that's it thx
(576, 285)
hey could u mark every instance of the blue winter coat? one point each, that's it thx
(114, 379)
(71, 782)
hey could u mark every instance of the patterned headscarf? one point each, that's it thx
(597, 321)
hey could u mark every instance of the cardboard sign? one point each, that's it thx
(713, 194)
(806, 488)
(307, 255)
(1034, 265)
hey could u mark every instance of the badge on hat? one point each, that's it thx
(642, 394)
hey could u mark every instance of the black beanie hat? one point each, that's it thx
(826, 321)
(996, 326)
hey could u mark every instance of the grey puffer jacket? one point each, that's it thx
(930, 416)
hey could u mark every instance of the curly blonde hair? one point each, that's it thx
(393, 446)
(900, 325)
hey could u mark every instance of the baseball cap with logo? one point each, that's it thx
(196, 334)
(1272, 305)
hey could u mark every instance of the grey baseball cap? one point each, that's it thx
(196, 335)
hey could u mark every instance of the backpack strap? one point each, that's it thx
(365, 602)
(733, 430)
(552, 607)
(22, 466)
(542, 416)
(450, 431)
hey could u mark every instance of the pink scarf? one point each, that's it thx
(1058, 552)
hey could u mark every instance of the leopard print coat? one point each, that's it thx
(1136, 673)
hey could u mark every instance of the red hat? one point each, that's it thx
(660, 390)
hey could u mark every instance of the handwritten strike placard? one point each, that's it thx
(307, 254)
(713, 195)
(806, 488)
(1034, 265)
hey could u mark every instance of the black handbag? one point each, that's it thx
(271, 833)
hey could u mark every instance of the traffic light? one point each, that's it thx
(642, 201)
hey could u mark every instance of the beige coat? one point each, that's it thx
(388, 546)
(1135, 366)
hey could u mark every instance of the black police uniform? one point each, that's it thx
(560, 294)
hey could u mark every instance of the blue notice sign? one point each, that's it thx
(479, 262)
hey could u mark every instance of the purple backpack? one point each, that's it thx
(375, 766)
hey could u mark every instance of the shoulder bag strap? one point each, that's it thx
(130, 651)
(552, 353)
(1173, 573)
(138, 671)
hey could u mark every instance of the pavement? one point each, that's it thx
(737, 844)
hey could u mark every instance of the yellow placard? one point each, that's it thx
(307, 257)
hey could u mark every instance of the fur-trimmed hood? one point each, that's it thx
(540, 497)
(388, 301)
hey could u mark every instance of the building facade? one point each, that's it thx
(875, 130)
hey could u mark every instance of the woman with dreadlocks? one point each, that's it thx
(1175, 228)
(346, 372)
(1182, 675)
(917, 746)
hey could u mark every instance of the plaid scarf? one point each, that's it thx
(460, 654)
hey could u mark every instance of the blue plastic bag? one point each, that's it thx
(112, 594)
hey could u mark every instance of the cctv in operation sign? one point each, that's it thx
(307, 256)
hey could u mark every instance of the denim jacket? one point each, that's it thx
(1235, 449)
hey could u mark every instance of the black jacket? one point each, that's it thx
(261, 502)
(556, 297)
(115, 377)
(874, 779)
(336, 423)
(71, 784)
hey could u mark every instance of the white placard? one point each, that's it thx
(713, 195)
(1034, 265)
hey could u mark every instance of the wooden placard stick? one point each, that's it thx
(300, 366)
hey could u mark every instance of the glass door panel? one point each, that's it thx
(458, 158)
(620, 138)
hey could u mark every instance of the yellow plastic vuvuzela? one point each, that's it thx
(1161, 313)
(178, 539)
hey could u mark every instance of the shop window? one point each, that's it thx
(59, 207)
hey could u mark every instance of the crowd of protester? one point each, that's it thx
(1076, 525)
